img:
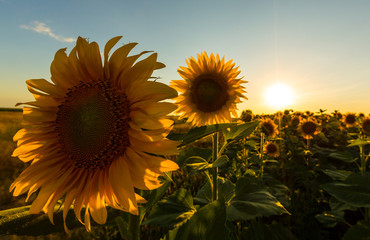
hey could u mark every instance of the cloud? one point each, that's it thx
(42, 28)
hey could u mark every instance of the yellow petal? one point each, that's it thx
(96, 203)
(159, 164)
(145, 121)
(37, 115)
(63, 73)
(154, 109)
(155, 91)
(45, 86)
(143, 69)
(142, 176)
(164, 147)
(120, 180)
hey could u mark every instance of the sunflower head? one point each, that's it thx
(309, 128)
(271, 149)
(366, 125)
(91, 136)
(246, 115)
(350, 119)
(269, 128)
(295, 120)
(309, 113)
(210, 90)
(361, 115)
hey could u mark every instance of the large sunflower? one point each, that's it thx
(210, 90)
(92, 134)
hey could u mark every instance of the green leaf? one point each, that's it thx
(20, 222)
(220, 161)
(187, 153)
(155, 195)
(225, 190)
(172, 211)
(123, 228)
(252, 201)
(199, 164)
(208, 224)
(262, 231)
(240, 131)
(330, 219)
(361, 231)
(343, 156)
(358, 142)
(337, 174)
(203, 131)
(355, 191)
(335, 215)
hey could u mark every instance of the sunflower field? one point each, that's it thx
(105, 151)
(304, 187)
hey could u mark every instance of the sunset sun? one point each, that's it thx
(279, 95)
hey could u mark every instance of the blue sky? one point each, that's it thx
(319, 48)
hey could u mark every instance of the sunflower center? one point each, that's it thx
(350, 119)
(209, 92)
(309, 128)
(92, 123)
(271, 148)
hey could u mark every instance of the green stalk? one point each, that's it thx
(363, 162)
(261, 153)
(215, 170)
(134, 221)
(363, 172)
(134, 226)
(307, 152)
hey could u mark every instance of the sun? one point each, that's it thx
(279, 95)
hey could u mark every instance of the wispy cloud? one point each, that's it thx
(42, 28)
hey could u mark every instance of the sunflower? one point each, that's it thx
(309, 128)
(269, 128)
(271, 149)
(361, 115)
(210, 90)
(91, 136)
(246, 115)
(295, 120)
(366, 125)
(350, 120)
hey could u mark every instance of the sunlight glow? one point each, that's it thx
(279, 95)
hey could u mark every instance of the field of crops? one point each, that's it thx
(290, 175)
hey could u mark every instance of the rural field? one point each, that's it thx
(290, 175)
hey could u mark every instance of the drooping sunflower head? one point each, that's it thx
(309, 128)
(366, 125)
(91, 136)
(350, 119)
(361, 115)
(269, 128)
(271, 149)
(210, 90)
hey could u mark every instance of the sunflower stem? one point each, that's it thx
(363, 173)
(215, 170)
(307, 152)
(261, 153)
(134, 226)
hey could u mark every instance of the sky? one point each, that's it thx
(320, 49)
